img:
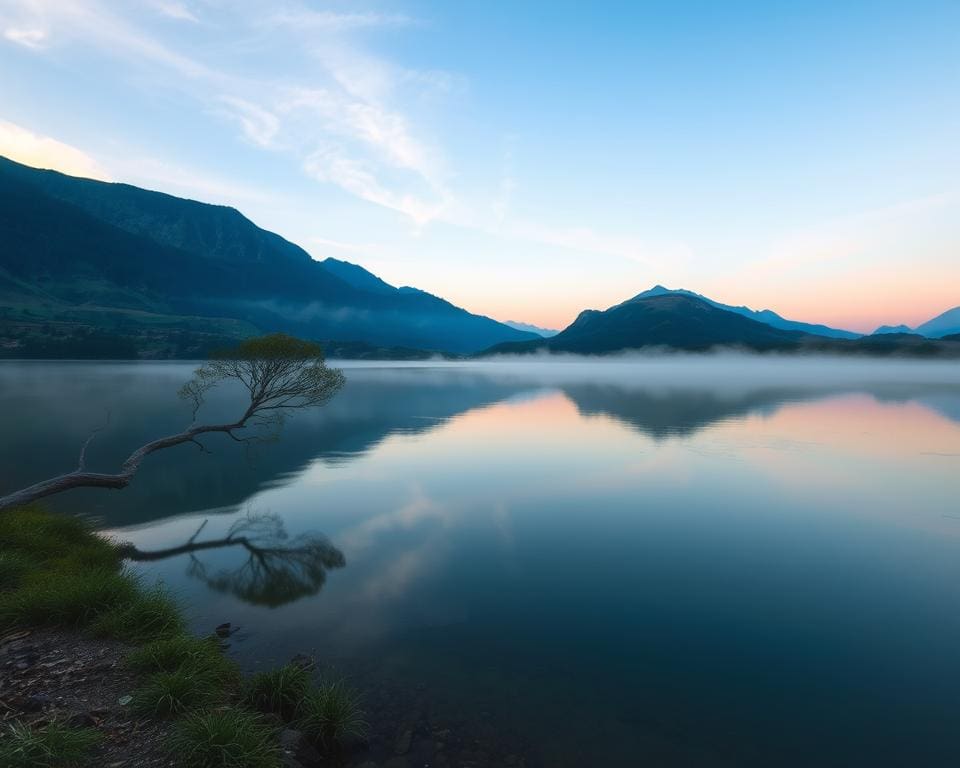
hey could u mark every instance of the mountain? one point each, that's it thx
(83, 255)
(357, 276)
(942, 325)
(544, 332)
(945, 324)
(673, 320)
(679, 321)
(766, 316)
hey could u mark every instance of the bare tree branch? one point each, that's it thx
(278, 372)
(276, 570)
(82, 461)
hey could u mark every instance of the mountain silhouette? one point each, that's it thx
(129, 260)
(766, 316)
(684, 322)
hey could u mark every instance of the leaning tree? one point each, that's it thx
(280, 374)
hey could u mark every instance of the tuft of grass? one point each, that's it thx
(184, 673)
(47, 537)
(167, 694)
(53, 746)
(14, 566)
(331, 713)
(152, 613)
(225, 738)
(64, 598)
(172, 653)
(279, 691)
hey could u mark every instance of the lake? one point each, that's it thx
(662, 561)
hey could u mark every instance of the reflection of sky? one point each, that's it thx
(404, 511)
(744, 558)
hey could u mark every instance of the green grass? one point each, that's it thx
(183, 673)
(331, 713)
(170, 654)
(167, 694)
(225, 738)
(65, 599)
(56, 571)
(151, 614)
(53, 746)
(61, 540)
(279, 691)
(14, 566)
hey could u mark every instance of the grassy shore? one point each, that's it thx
(56, 572)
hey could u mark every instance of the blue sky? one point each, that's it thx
(528, 160)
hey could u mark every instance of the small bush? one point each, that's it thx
(279, 691)
(331, 713)
(53, 746)
(225, 738)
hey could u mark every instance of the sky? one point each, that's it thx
(527, 160)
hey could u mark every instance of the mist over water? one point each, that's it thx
(713, 560)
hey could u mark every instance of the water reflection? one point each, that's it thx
(50, 408)
(277, 570)
(711, 563)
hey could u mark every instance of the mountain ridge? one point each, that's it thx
(683, 322)
(79, 243)
(767, 316)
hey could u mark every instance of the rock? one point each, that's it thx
(83, 720)
(295, 746)
(36, 702)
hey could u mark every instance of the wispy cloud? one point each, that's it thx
(343, 130)
(329, 164)
(29, 37)
(259, 125)
(27, 147)
(175, 10)
(331, 21)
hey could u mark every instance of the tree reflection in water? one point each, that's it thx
(277, 570)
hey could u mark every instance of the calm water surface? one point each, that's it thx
(686, 562)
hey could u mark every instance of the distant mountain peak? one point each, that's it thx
(765, 316)
(886, 329)
(945, 324)
(529, 327)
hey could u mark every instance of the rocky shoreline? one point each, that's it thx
(64, 676)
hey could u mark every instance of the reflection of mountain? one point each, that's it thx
(50, 408)
(663, 412)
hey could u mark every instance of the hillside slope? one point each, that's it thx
(77, 243)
